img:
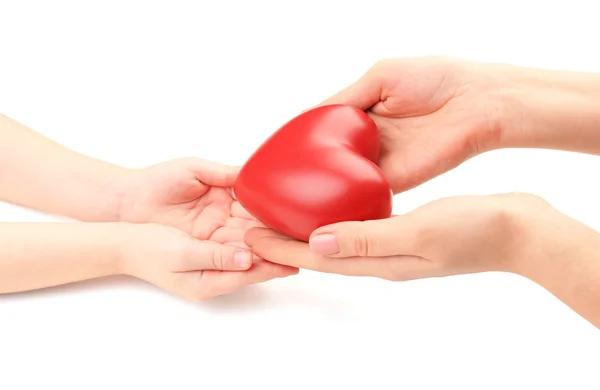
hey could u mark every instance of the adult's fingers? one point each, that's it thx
(208, 255)
(397, 236)
(277, 249)
(363, 93)
(376, 238)
(260, 232)
(297, 254)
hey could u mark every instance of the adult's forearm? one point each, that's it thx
(39, 173)
(550, 109)
(566, 262)
(39, 255)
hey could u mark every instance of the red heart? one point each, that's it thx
(317, 169)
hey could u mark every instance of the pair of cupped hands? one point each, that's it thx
(432, 114)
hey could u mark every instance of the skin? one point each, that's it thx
(175, 224)
(433, 114)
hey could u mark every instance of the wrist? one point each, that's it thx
(543, 238)
(564, 259)
(524, 225)
(108, 243)
(133, 253)
(125, 247)
(123, 195)
(111, 184)
(549, 109)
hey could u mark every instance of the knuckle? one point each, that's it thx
(218, 258)
(362, 243)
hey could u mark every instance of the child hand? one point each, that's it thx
(190, 194)
(193, 269)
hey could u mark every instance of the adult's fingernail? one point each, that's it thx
(242, 259)
(324, 244)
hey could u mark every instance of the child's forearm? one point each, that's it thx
(38, 173)
(39, 255)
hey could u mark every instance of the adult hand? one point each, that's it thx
(516, 233)
(432, 113)
(193, 269)
(190, 194)
(456, 235)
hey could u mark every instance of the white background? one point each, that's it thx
(136, 83)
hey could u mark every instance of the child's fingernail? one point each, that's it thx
(242, 259)
(324, 244)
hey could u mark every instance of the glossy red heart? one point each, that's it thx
(317, 169)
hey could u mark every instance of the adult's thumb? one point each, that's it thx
(376, 238)
(363, 93)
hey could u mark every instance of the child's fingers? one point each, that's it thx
(214, 283)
